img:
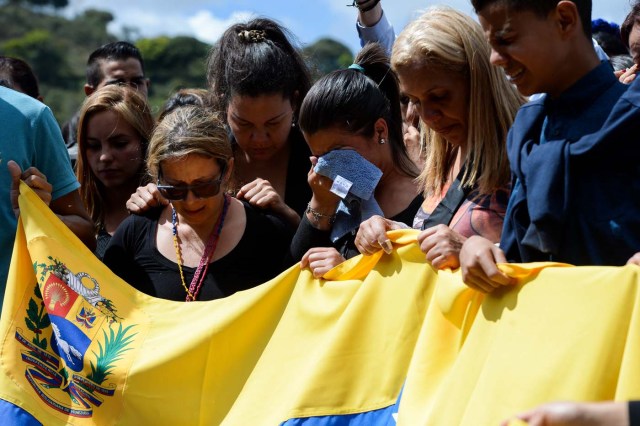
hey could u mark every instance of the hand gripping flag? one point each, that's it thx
(382, 338)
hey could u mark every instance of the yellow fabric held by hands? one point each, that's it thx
(80, 346)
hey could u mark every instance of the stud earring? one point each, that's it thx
(381, 141)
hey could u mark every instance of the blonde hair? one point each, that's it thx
(449, 40)
(132, 108)
(185, 131)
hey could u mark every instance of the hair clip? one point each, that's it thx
(252, 36)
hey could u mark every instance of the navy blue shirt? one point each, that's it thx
(575, 160)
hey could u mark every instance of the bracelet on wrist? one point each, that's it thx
(361, 7)
(317, 216)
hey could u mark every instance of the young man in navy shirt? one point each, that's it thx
(573, 152)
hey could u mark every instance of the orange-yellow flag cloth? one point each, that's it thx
(382, 338)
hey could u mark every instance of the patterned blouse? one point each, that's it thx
(478, 215)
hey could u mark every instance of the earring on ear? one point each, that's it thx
(381, 141)
(293, 121)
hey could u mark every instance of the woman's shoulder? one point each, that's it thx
(262, 221)
(149, 217)
(482, 214)
(137, 224)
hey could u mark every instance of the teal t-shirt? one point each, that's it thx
(30, 136)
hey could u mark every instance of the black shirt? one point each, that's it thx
(132, 254)
(297, 192)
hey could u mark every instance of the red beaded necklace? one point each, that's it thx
(210, 248)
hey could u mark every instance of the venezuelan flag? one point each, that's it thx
(80, 346)
(382, 340)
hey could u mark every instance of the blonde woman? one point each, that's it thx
(466, 107)
(202, 245)
(113, 133)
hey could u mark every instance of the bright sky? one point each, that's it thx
(309, 20)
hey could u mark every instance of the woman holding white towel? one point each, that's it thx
(353, 117)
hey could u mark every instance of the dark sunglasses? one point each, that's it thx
(200, 190)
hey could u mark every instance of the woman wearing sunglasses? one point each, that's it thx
(202, 245)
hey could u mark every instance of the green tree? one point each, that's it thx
(327, 55)
(57, 48)
(177, 60)
(56, 4)
(87, 32)
(45, 55)
(16, 21)
(173, 63)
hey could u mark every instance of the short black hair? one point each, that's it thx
(542, 8)
(116, 51)
(21, 74)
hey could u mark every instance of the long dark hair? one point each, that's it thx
(352, 100)
(627, 25)
(257, 58)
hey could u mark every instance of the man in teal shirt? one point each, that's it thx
(32, 149)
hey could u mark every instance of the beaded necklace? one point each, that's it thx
(210, 248)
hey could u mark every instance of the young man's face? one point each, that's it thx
(124, 72)
(524, 45)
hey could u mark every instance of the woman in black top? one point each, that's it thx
(204, 244)
(258, 79)
(355, 109)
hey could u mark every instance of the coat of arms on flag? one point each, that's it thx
(68, 336)
(69, 325)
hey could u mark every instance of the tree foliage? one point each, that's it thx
(328, 55)
(40, 49)
(56, 4)
(173, 63)
(166, 55)
(57, 49)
